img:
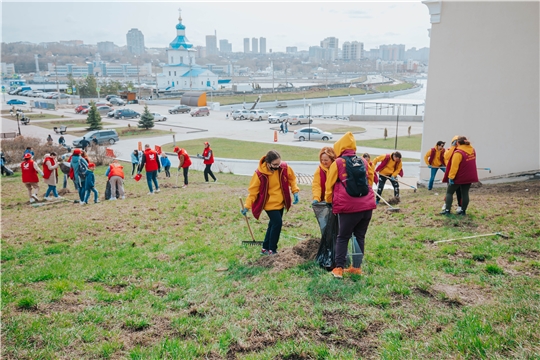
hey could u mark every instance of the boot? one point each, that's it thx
(352, 270)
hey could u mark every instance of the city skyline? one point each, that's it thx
(372, 23)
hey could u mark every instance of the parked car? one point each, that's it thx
(311, 133)
(16, 102)
(300, 119)
(117, 101)
(108, 136)
(102, 103)
(102, 110)
(179, 109)
(159, 117)
(240, 114)
(80, 108)
(36, 93)
(112, 113)
(258, 115)
(126, 114)
(278, 118)
(203, 111)
(111, 96)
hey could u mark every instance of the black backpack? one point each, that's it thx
(83, 166)
(356, 182)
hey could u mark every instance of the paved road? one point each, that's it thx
(186, 127)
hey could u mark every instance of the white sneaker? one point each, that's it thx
(59, 198)
(32, 200)
(112, 199)
(150, 193)
(157, 190)
(459, 209)
(443, 207)
(184, 186)
(123, 197)
(82, 202)
(35, 197)
(47, 198)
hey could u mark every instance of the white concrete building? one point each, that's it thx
(483, 82)
(182, 73)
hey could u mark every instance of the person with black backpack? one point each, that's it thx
(348, 189)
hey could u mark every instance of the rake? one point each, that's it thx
(252, 242)
(472, 237)
(391, 208)
(176, 182)
(401, 182)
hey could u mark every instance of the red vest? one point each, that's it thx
(187, 160)
(151, 158)
(29, 174)
(46, 172)
(116, 170)
(260, 201)
(205, 154)
(383, 164)
(467, 173)
(322, 174)
(342, 202)
(432, 156)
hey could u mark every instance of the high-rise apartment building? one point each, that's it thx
(255, 46)
(353, 50)
(225, 46)
(291, 49)
(262, 45)
(106, 47)
(246, 45)
(135, 41)
(392, 52)
(331, 43)
(211, 45)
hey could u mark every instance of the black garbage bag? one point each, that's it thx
(328, 223)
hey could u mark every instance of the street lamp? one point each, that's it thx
(57, 85)
(309, 122)
(244, 99)
(397, 122)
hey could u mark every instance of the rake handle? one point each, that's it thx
(471, 237)
(388, 177)
(384, 201)
(245, 217)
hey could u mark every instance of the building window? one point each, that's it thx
(181, 59)
(175, 73)
(169, 73)
(168, 83)
(202, 82)
(185, 83)
(172, 59)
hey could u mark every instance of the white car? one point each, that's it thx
(300, 119)
(278, 118)
(258, 115)
(240, 114)
(311, 133)
(159, 117)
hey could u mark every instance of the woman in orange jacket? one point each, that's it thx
(270, 190)
(326, 157)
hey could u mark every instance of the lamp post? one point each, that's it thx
(397, 122)
(309, 122)
(57, 85)
(18, 125)
(244, 99)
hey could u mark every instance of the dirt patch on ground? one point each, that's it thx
(70, 303)
(460, 294)
(290, 257)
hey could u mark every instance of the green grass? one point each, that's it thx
(70, 123)
(42, 116)
(166, 277)
(314, 94)
(407, 143)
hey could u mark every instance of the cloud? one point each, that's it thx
(358, 14)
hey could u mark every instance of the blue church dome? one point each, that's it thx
(180, 27)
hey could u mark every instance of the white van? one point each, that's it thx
(240, 114)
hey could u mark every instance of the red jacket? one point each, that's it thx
(152, 161)
(116, 170)
(46, 172)
(205, 154)
(29, 174)
(187, 160)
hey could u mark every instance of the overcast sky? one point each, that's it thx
(300, 24)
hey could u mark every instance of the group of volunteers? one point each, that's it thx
(345, 182)
(81, 172)
(152, 163)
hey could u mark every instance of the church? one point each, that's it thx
(182, 73)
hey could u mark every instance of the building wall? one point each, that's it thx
(483, 82)
(262, 45)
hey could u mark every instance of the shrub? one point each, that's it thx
(13, 149)
(98, 156)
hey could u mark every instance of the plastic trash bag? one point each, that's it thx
(328, 223)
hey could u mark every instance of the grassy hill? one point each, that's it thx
(166, 276)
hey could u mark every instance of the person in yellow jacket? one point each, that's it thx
(270, 190)
(434, 159)
(326, 157)
(389, 168)
(447, 155)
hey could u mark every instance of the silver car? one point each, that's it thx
(311, 133)
(300, 119)
(159, 117)
(258, 115)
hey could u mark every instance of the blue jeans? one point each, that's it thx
(151, 176)
(274, 229)
(87, 195)
(51, 189)
(433, 173)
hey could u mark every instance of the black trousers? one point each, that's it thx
(208, 171)
(382, 181)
